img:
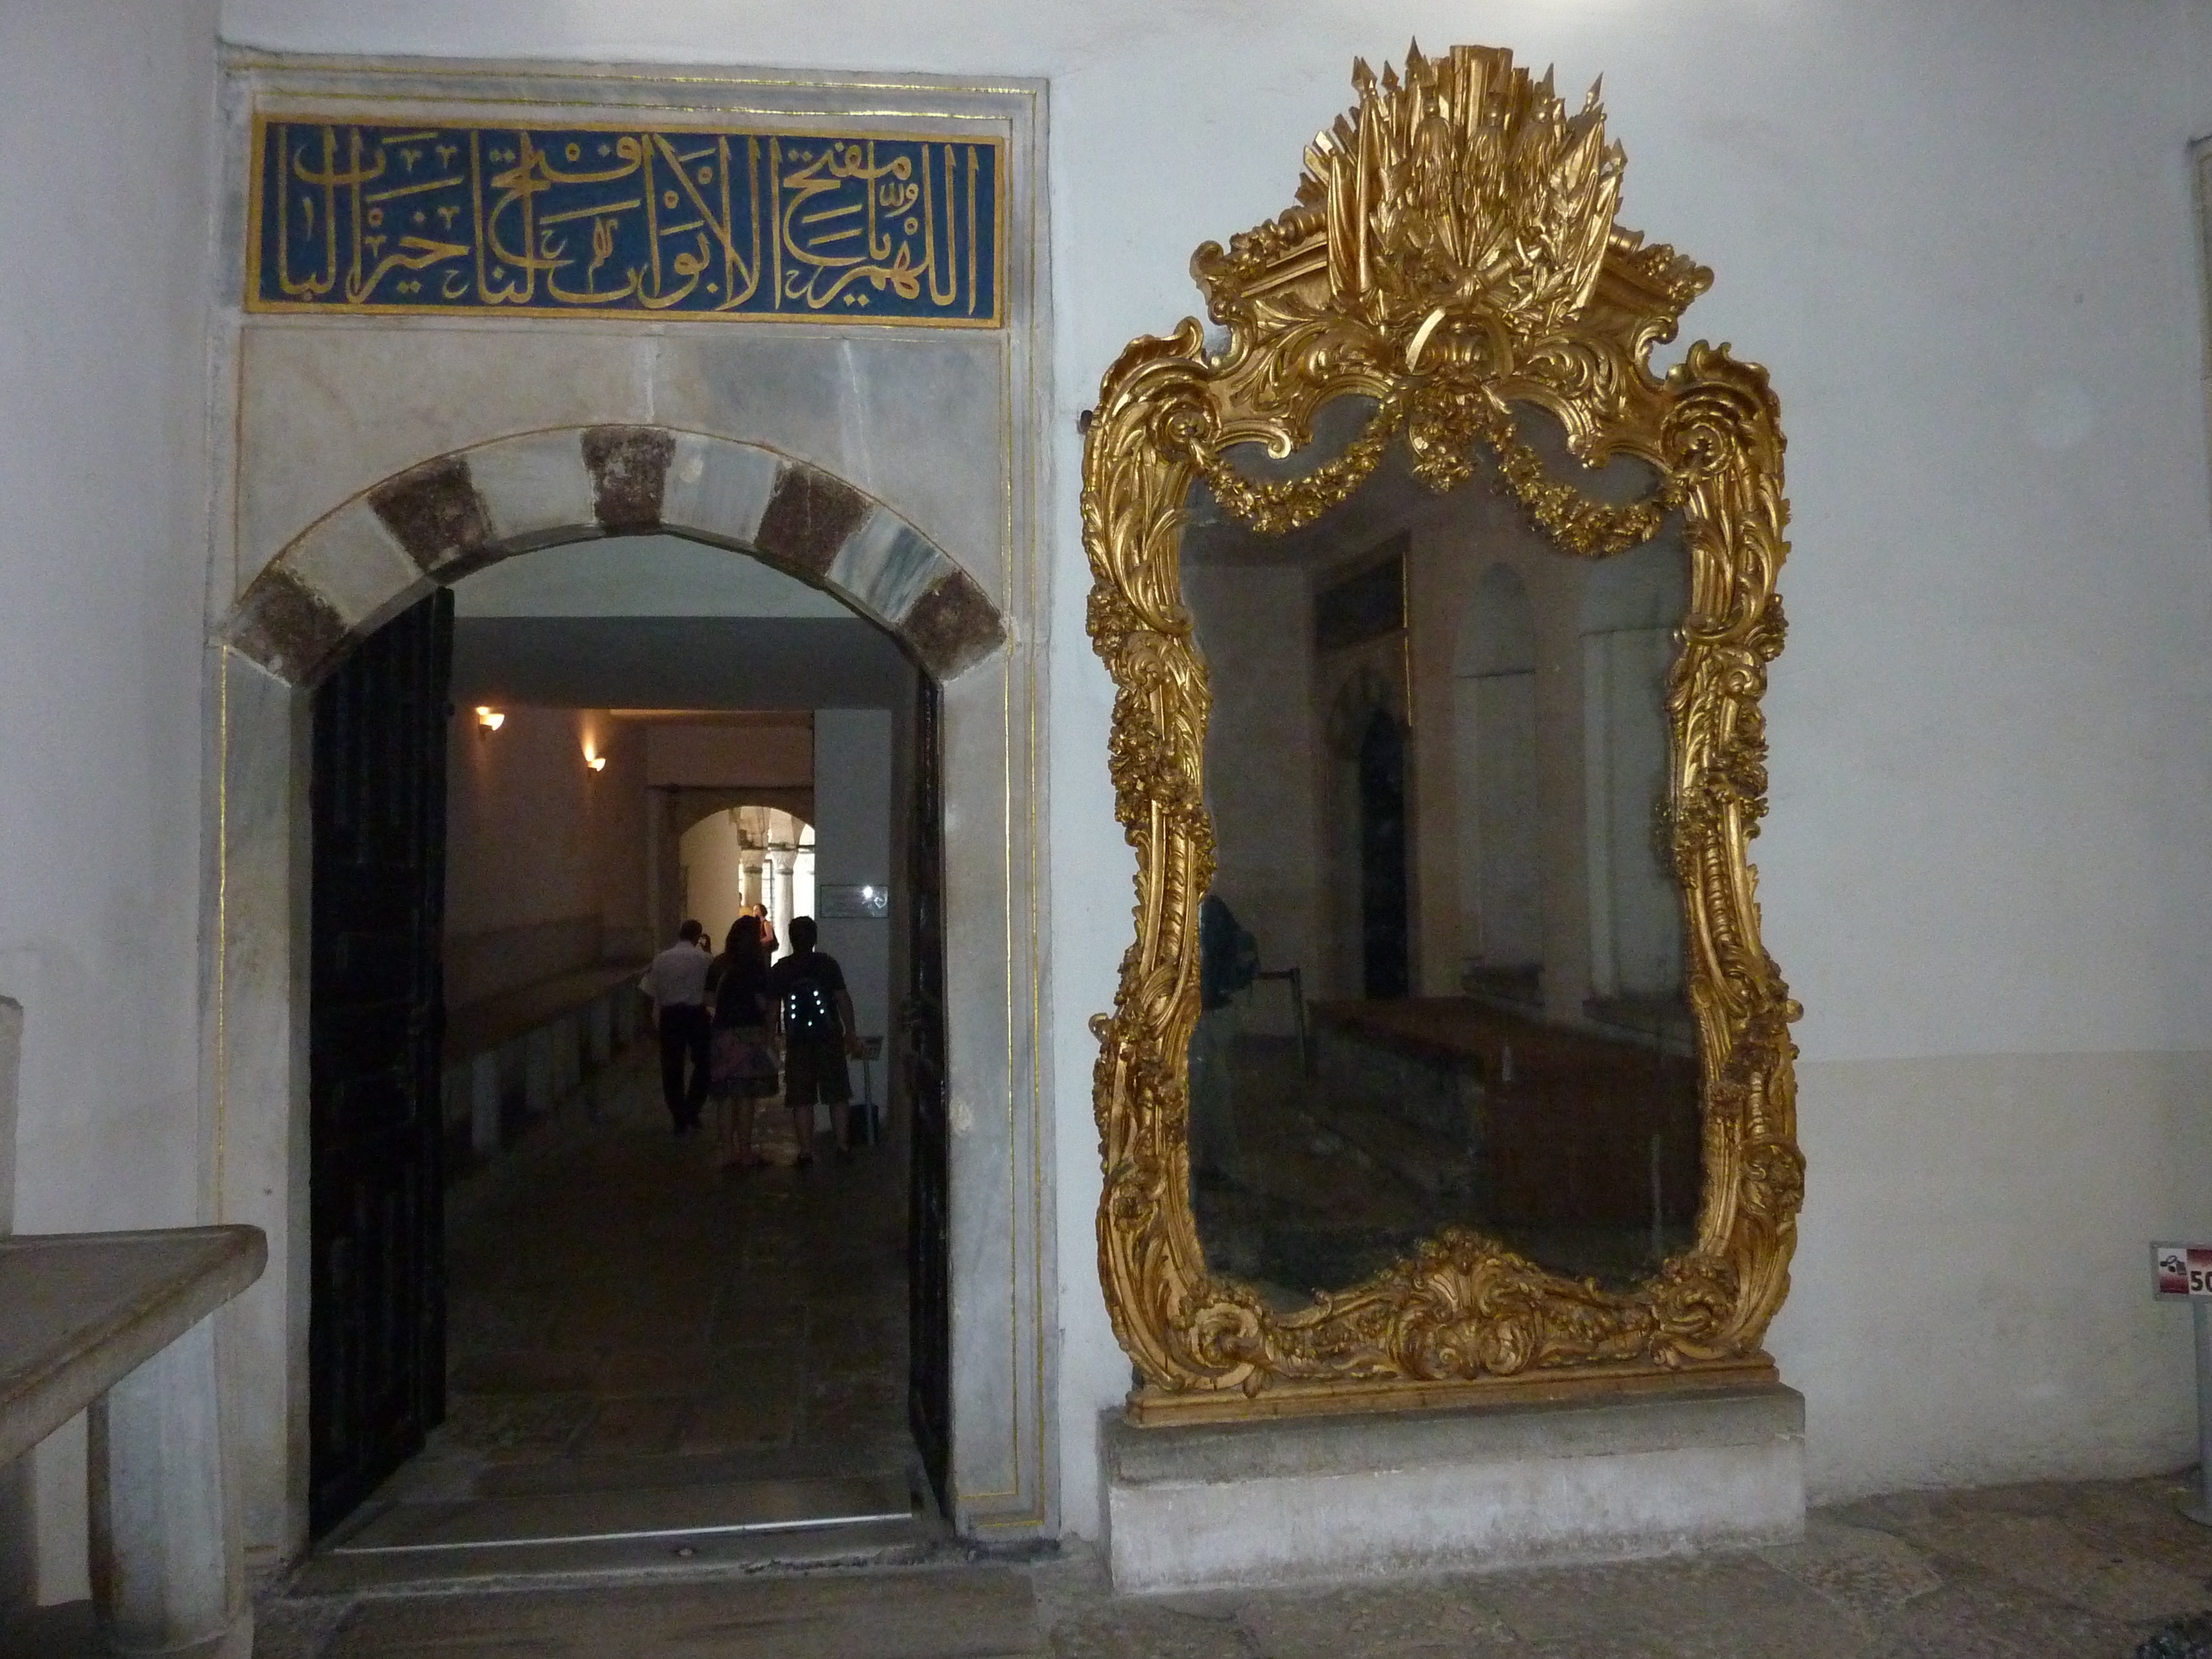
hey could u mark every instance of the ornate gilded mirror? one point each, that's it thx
(1447, 1059)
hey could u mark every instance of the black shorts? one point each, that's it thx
(814, 1072)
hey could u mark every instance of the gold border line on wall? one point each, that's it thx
(831, 227)
(1453, 254)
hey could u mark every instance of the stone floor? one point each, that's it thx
(614, 1295)
(2082, 1571)
(622, 1310)
(643, 1344)
(619, 1305)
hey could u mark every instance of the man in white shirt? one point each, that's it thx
(677, 983)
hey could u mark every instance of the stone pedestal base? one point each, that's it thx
(1203, 1506)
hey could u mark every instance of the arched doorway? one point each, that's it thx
(743, 855)
(1368, 832)
(435, 522)
(1386, 944)
(302, 620)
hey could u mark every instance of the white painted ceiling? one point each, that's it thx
(662, 622)
(638, 576)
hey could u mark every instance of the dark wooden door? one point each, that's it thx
(929, 1271)
(377, 1325)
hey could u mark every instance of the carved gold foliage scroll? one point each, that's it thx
(1452, 254)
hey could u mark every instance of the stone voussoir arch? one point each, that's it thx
(351, 570)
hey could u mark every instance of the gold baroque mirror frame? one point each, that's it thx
(1453, 257)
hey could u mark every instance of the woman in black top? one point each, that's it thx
(743, 1060)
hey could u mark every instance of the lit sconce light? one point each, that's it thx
(596, 762)
(490, 719)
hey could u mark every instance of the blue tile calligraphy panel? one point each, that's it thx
(579, 221)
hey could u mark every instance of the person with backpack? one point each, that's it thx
(811, 1013)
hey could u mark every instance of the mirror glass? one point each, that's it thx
(1442, 959)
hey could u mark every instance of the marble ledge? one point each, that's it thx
(1294, 1500)
(81, 1311)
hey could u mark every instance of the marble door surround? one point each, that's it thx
(363, 459)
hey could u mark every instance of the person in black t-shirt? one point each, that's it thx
(812, 1012)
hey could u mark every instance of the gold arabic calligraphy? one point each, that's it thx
(357, 217)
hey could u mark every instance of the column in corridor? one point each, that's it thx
(783, 857)
(749, 859)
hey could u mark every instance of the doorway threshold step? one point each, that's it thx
(641, 1514)
(627, 1533)
(518, 1565)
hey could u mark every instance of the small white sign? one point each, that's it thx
(2183, 1270)
(851, 900)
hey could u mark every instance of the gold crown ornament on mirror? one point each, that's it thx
(1453, 257)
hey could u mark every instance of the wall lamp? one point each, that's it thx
(596, 762)
(488, 720)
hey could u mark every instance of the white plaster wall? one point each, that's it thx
(1256, 629)
(852, 844)
(108, 118)
(1959, 236)
(638, 576)
(618, 836)
(543, 856)
(713, 875)
(768, 753)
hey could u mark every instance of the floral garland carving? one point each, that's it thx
(1452, 256)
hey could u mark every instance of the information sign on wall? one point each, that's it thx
(2182, 1269)
(588, 221)
(851, 900)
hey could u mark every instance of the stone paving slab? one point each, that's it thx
(613, 1295)
(682, 1514)
(962, 1613)
(2082, 1571)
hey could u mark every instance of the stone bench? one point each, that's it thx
(539, 1042)
(116, 1324)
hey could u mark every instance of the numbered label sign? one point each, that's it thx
(2182, 1269)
